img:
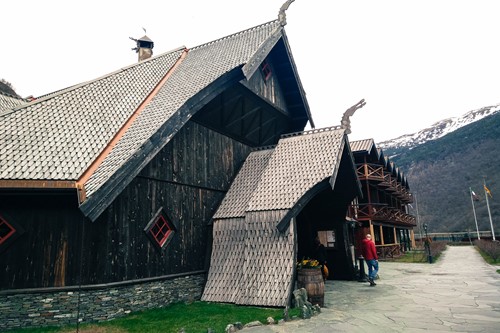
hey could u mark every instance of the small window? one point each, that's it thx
(6, 230)
(266, 70)
(160, 229)
(327, 238)
(9, 232)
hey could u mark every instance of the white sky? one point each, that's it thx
(414, 62)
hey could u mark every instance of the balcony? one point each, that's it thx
(382, 213)
(370, 171)
(386, 181)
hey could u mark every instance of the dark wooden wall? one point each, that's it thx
(47, 252)
(269, 88)
(188, 178)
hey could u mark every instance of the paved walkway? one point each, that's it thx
(459, 293)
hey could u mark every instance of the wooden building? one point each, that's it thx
(113, 182)
(192, 167)
(280, 201)
(383, 209)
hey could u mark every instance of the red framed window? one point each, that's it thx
(266, 70)
(160, 229)
(6, 230)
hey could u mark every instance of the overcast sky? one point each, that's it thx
(414, 62)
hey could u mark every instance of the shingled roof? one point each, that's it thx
(98, 135)
(252, 225)
(8, 101)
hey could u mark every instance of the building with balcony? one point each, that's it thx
(383, 209)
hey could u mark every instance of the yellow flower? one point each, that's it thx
(308, 263)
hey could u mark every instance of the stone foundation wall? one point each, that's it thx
(64, 306)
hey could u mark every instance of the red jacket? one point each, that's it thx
(369, 251)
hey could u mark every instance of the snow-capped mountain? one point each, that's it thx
(439, 129)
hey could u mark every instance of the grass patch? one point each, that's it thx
(412, 257)
(415, 256)
(420, 255)
(485, 252)
(193, 318)
(487, 257)
(38, 330)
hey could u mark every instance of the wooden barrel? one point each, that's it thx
(312, 280)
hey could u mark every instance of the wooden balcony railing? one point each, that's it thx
(388, 250)
(389, 183)
(386, 180)
(383, 213)
(405, 195)
(370, 171)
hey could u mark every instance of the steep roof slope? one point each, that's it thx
(97, 136)
(59, 136)
(201, 67)
(365, 145)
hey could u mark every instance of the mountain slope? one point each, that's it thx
(437, 130)
(441, 171)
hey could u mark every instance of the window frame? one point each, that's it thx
(266, 70)
(10, 233)
(160, 220)
(15, 232)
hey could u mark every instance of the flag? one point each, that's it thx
(488, 191)
(474, 196)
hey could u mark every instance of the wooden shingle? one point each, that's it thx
(263, 194)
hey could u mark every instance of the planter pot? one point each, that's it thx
(312, 280)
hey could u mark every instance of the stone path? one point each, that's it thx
(459, 293)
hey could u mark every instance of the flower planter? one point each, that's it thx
(312, 280)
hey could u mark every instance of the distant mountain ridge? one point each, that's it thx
(437, 130)
(457, 155)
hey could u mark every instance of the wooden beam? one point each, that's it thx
(39, 184)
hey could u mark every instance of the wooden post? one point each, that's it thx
(372, 231)
(381, 230)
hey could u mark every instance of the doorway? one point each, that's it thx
(325, 217)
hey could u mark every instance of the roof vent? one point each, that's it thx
(144, 47)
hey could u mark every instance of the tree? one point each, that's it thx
(6, 87)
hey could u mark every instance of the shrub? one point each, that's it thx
(437, 248)
(490, 248)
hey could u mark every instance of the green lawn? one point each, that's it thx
(195, 317)
(488, 258)
(416, 256)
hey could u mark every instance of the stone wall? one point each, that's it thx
(64, 306)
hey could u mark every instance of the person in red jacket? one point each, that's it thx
(370, 254)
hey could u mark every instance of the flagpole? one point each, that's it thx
(474, 210)
(418, 217)
(489, 212)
